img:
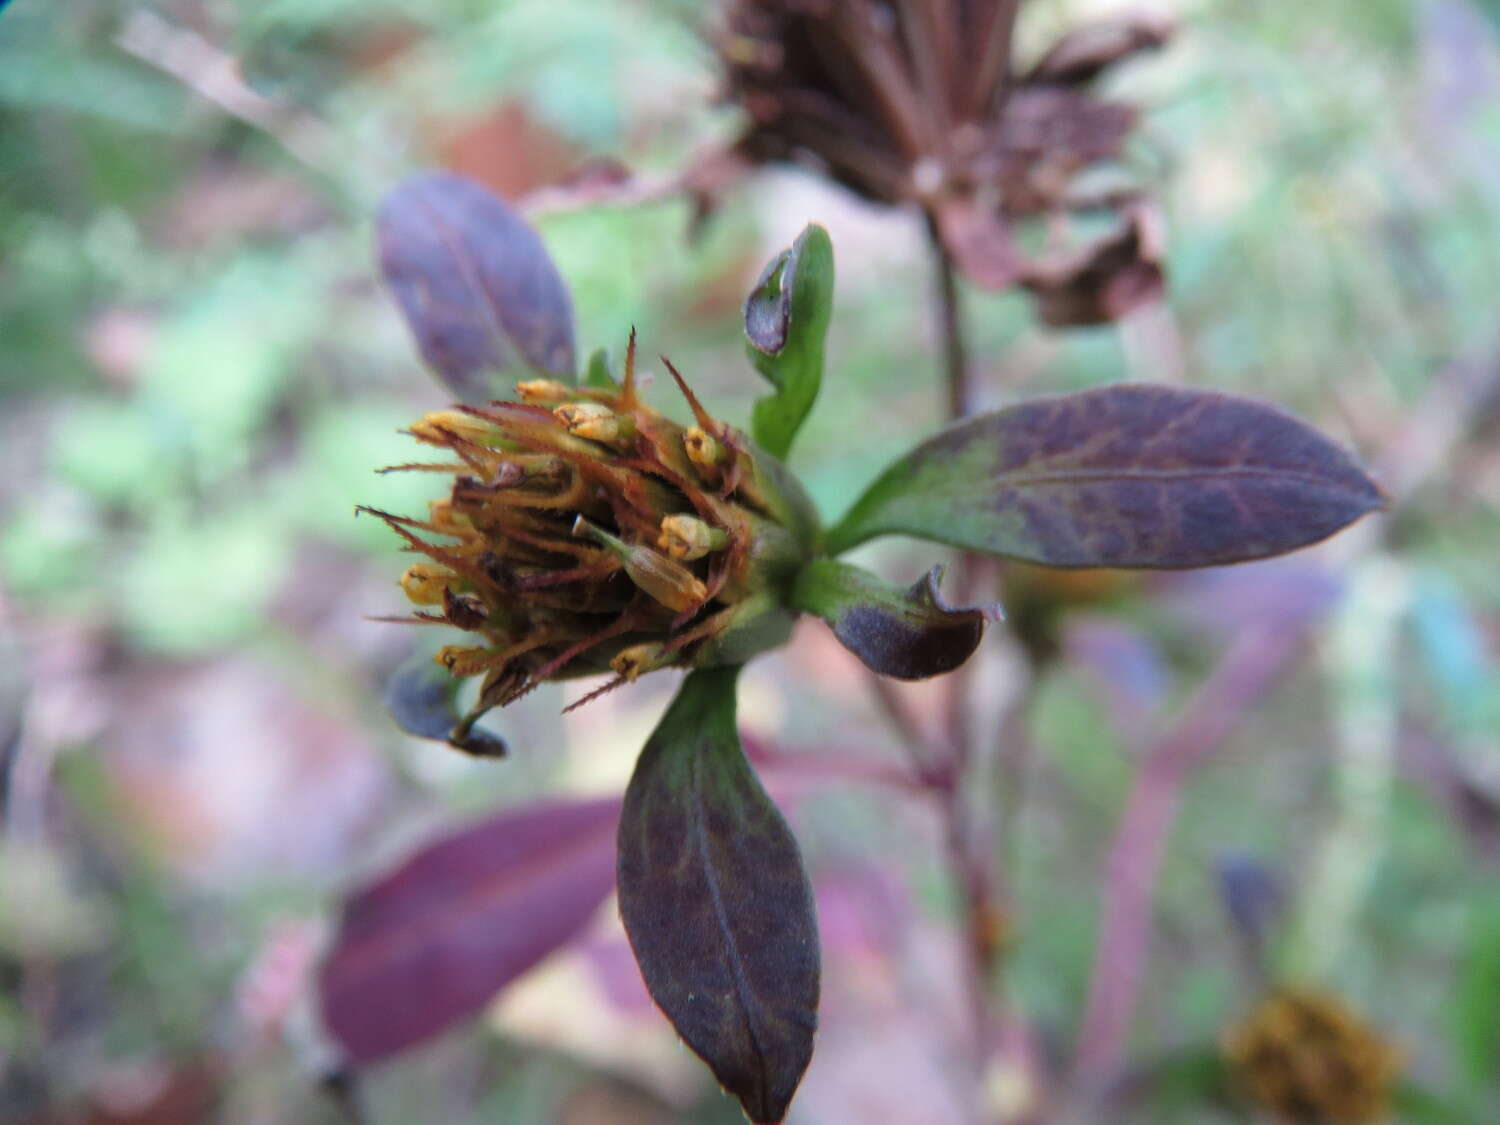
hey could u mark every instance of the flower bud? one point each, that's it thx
(637, 660)
(664, 579)
(544, 391)
(426, 583)
(597, 422)
(705, 451)
(435, 428)
(687, 537)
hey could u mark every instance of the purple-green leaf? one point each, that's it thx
(1132, 475)
(475, 284)
(717, 906)
(909, 634)
(430, 943)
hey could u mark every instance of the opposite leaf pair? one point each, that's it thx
(585, 532)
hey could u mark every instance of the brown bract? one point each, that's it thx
(585, 532)
(919, 101)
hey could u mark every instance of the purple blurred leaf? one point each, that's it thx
(475, 284)
(1131, 475)
(1289, 593)
(909, 634)
(1126, 662)
(1251, 893)
(430, 944)
(1081, 55)
(716, 903)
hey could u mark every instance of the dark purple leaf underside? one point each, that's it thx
(422, 697)
(909, 634)
(430, 944)
(717, 906)
(475, 284)
(1132, 475)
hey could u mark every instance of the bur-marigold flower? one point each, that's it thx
(584, 532)
(1307, 1057)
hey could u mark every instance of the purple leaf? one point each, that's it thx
(717, 906)
(909, 634)
(475, 284)
(1131, 475)
(430, 944)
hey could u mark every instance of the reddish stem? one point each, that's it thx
(1244, 675)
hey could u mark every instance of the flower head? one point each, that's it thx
(584, 531)
(1305, 1056)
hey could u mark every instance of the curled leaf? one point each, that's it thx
(475, 284)
(422, 697)
(1106, 279)
(909, 634)
(717, 906)
(1132, 475)
(786, 323)
(430, 943)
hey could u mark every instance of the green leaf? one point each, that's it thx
(909, 634)
(422, 698)
(597, 373)
(1132, 475)
(1189, 1076)
(1416, 1105)
(715, 901)
(786, 322)
(1476, 1001)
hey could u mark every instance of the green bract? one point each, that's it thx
(585, 532)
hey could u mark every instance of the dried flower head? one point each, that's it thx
(1305, 1056)
(920, 102)
(585, 531)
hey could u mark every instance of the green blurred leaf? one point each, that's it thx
(1476, 999)
(1416, 1105)
(715, 901)
(190, 586)
(786, 325)
(909, 634)
(598, 373)
(1132, 475)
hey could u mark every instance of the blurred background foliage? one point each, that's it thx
(199, 372)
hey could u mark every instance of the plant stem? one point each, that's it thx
(955, 349)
